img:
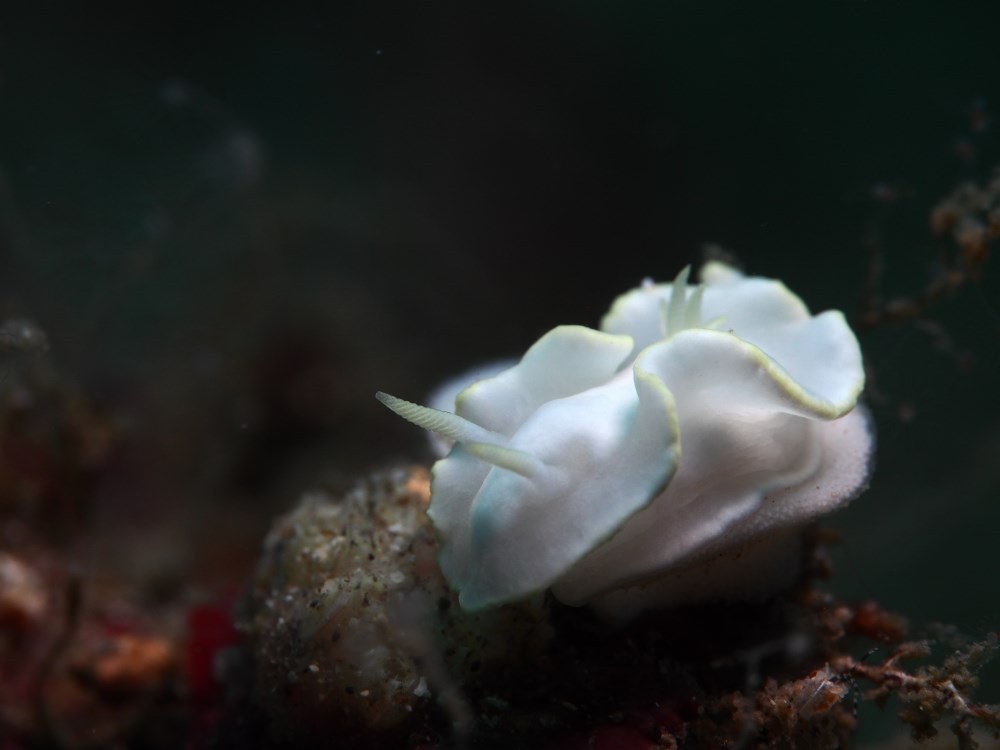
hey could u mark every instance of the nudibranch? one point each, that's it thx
(672, 456)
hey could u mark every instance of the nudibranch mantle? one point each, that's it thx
(671, 456)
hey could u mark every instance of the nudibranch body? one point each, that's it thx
(673, 455)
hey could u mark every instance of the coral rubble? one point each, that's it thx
(355, 635)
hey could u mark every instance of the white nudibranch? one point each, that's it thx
(672, 456)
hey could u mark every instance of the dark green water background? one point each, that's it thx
(414, 187)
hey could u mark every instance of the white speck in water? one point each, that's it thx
(421, 689)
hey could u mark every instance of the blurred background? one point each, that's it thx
(235, 227)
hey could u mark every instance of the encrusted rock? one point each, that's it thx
(355, 631)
